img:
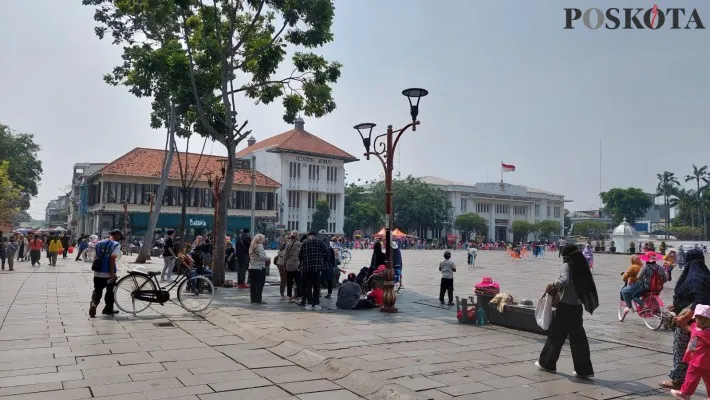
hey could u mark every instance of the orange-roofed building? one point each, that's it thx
(309, 169)
(134, 176)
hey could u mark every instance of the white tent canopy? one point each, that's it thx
(59, 228)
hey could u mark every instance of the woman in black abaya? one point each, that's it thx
(378, 258)
(577, 293)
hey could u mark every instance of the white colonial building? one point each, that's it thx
(501, 204)
(309, 169)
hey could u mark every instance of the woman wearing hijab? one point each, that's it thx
(588, 254)
(692, 288)
(378, 258)
(577, 293)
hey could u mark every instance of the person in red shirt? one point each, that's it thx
(697, 356)
(376, 295)
(36, 246)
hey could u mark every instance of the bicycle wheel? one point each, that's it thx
(622, 308)
(346, 257)
(195, 294)
(123, 293)
(653, 315)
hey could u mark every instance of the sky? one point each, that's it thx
(506, 83)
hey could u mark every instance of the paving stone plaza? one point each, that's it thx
(51, 349)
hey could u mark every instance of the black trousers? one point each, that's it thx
(311, 288)
(567, 323)
(292, 278)
(2, 257)
(65, 251)
(99, 285)
(34, 256)
(258, 278)
(242, 273)
(364, 304)
(447, 285)
(78, 253)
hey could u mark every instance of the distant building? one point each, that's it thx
(78, 197)
(654, 216)
(588, 215)
(134, 177)
(309, 169)
(57, 211)
(500, 204)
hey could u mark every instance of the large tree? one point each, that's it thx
(521, 229)
(701, 177)
(10, 195)
(666, 188)
(631, 203)
(24, 168)
(589, 228)
(548, 229)
(417, 205)
(469, 223)
(319, 219)
(360, 210)
(202, 55)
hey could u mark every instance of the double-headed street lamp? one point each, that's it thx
(383, 150)
(216, 192)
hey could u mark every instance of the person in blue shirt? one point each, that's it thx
(108, 251)
(83, 245)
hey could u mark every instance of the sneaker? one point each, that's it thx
(308, 307)
(541, 368)
(317, 308)
(679, 395)
(92, 310)
(451, 303)
(110, 312)
(582, 376)
(442, 302)
(327, 296)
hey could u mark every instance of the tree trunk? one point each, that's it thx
(222, 215)
(183, 216)
(148, 238)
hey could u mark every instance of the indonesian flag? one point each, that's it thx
(507, 167)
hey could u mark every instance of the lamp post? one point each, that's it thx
(383, 147)
(216, 192)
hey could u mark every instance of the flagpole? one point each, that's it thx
(501, 171)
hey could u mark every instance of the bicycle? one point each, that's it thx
(194, 292)
(651, 312)
(345, 256)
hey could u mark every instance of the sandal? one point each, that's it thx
(669, 384)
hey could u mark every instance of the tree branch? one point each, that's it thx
(262, 49)
(193, 83)
(246, 34)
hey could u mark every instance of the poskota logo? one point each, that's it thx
(633, 18)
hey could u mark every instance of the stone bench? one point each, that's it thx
(515, 317)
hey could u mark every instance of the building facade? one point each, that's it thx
(119, 195)
(56, 212)
(78, 200)
(500, 204)
(309, 169)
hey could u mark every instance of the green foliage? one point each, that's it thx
(10, 195)
(416, 204)
(631, 203)
(20, 216)
(521, 229)
(201, 54)
(469, 223)
(319, 220)
(24, 166)
(547, 229)
(360, 210)
(687, 232)
(585, 228)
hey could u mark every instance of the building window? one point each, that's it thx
(293, 226)
(312, 200)
(520, 210)
(537, 210)
(331, 174)
(331, 227)
(308, 226)
(548, 211)
(483, 207)
(332, 201)
(501, 209)
(464, 203)
(557, 212)
(313, 172)
(294, 170)
(294, 199)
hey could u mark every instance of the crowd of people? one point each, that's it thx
(22, 248)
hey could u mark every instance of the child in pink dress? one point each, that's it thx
(698, 354)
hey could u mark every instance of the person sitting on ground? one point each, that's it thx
(349, 296)
(376, 294)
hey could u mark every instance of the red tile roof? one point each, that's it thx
(300, 142)
(149, 162)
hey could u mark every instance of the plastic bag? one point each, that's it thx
(543, 312)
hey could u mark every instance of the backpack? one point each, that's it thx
(656, 282)
(100, 253)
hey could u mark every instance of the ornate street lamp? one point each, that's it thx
(383, 147)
